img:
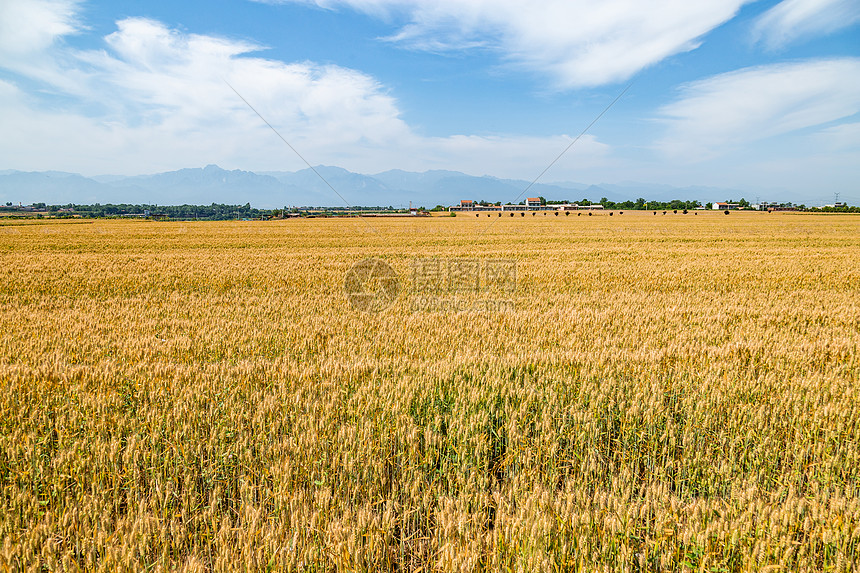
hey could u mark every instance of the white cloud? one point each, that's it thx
(576, 42)
(156, 99)
(31, 31)
(158, 75)
(729, 110)
(793, 20)
(28, 26)
(842, 137)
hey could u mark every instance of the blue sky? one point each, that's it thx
(760, 96)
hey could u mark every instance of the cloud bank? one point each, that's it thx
(729, 110)
(796, 20)
(577, 43)
(159, 97)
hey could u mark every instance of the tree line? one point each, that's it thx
(213, 212)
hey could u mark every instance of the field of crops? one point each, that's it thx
(640, 393)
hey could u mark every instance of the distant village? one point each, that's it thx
(221, 212)
(540, 204)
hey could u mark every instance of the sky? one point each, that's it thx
(762, 96)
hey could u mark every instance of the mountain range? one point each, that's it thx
(271, 189)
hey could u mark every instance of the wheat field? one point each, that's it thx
(657, 393)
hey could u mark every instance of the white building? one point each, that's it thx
(722, 206)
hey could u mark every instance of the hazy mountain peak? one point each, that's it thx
(212, 184)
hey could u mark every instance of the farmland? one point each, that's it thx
(657, 392)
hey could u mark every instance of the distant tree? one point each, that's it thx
(8, 203)
(743, 203)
